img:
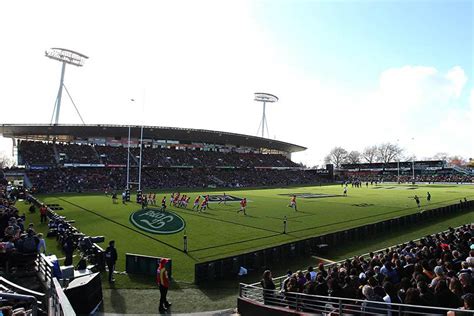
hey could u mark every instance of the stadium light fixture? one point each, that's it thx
(264, 98)
(66, 56)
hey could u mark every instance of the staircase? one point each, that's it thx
(26, 181)
(56, 153)
(97, 155)
(216, 180)
(461, 170)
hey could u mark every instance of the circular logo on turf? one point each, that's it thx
(157, 222)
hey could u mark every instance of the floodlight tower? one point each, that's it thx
(65, 56)
(264, 97)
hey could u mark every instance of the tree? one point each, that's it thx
(353, 157)
(388, 152)
(336, 156)
(5, 161)
(369, 154)
(441, 156)
(457, 161)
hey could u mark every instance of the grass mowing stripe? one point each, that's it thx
(229, 222)
(361, 218)
(115, 222)
(235, 242)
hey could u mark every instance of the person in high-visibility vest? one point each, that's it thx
(164, 283)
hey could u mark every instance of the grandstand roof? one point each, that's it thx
(65, 132)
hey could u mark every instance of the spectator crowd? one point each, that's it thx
(17, 238)
(95, 179)
(429, 178)
(105, 168)
(436, 271)
(39, 153)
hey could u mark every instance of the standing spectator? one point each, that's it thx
(313, 273)
(268, 287)
(426, 295)
(164, 284)
(439, 275)
(368, 306)
(412, 297)
(111, 259)
(466, 282)
(68, 250)
(445, 297)
(41, 244)
(43, 213)
(391, 296)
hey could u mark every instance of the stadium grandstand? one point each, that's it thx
(433, 171)
(74, 158)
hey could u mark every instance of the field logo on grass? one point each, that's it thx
(157, 222)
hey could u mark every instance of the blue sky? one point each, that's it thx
(356, 40)
(389, 70)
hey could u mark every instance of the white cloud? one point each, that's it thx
(412, 87)
(420, 107)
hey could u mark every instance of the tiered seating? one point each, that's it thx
(436, 271)
(43, 153)
(73, 153)
(454, 178)
(36, 153)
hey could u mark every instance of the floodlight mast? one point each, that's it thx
(264, 97)
(65, 56)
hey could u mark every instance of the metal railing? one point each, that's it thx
(44, 270)
(327, 305)
(60, 305)
(31, 300)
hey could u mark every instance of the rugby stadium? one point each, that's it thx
(80, 173)
(148, 192)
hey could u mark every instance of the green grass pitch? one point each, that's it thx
(222, 232)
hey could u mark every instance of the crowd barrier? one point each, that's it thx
(227, 268)
(60, 305)
(145, 265)
(27, 299)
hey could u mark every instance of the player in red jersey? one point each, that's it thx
(203, 205)
(207, 201)
(182, 202)
(186, 202)
(196, 202)
(243, 205)
(176, 199)
(293, 203)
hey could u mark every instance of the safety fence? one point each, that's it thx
(29, 301)
(228, 267)
(254, 300)
(60, 305)
(44, 270)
